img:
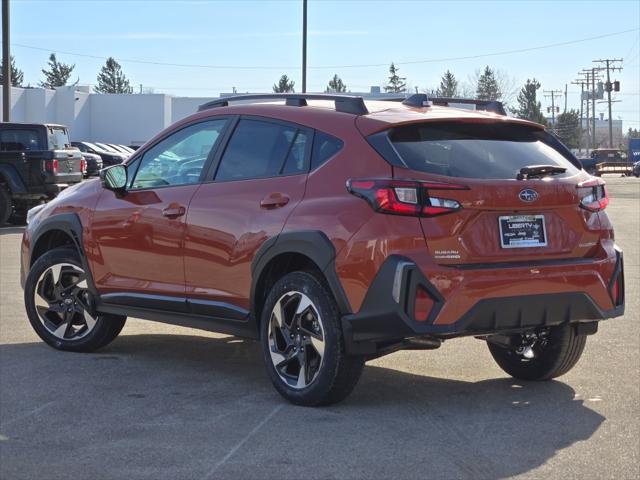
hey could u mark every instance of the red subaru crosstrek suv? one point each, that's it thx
(335, 231)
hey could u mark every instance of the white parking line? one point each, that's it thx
(243, 441)
(26, 415)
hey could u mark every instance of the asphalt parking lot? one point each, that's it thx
(165, 402)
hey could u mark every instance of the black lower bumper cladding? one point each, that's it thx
(386, 315)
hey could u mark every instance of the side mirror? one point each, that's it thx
(114, 178)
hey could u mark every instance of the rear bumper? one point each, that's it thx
(387, 316)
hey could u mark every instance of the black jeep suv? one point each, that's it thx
(36, 163)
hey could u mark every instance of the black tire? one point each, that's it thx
(5, 205)
(337, 373)
(554, 356)
(104, 328)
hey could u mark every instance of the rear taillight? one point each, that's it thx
(405, 197)
(593, 195)
(83, 165)
(51, 166)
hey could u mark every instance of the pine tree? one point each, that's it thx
(111, 79)
(448, 85)
(336, 85)
(16, 74)
(58, 73)
(284, 85)
(396, 83)
(488, 88)
(529, 107)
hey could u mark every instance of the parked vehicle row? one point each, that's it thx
(335, 232)
(108, 154)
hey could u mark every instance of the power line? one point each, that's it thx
(319, 67)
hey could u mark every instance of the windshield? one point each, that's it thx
(93, 146)
(106, 147)
(487, 151)
(58, 138)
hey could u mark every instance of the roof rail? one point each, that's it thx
(423, 100)
(343, 103)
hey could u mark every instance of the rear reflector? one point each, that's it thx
(405, 197)
(423, 305)
(593, 195)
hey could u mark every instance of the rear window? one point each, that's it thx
(486, 151)
(58, 138)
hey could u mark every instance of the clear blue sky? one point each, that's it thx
(268, 34)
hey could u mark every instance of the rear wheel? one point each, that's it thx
(5, 205)
(542, 355)
(60, 306)
(302, 343)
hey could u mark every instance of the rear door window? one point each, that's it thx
(324, 147)
(14, 139)
(487, 151)
(259, 149)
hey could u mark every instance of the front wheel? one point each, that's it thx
(542, 355)
(60, 306)
(302, 343)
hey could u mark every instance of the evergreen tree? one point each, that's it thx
(448, 85)
(16, 74)
(396, 83)
(568, 128)
(111, 79)
(284, 85)
(488, 88)
(336, 85)
(529, 107)
(58, 73)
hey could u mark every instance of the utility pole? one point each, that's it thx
(565, 98)
(593, 106)
(592, 75)
(553, 94)
(6, 64)
(610, 65)
(581, 83)
(304, 46)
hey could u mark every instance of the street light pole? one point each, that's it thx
(304, 46)
(6, 64)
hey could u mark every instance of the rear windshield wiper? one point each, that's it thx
(537, 171)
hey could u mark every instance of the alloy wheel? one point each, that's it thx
(62, 302)
(296, 340)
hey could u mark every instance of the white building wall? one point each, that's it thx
(128, 119)
(182, 107)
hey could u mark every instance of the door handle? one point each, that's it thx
(174, 211)
(274, 200)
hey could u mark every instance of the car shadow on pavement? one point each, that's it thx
(173, 406)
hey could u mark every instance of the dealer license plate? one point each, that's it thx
(522, 231)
